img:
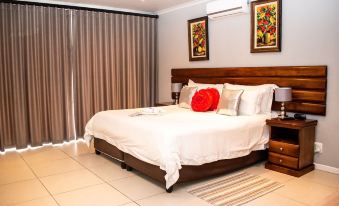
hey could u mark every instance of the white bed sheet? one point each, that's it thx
(179, 136)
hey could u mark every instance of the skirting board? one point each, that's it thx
(326, 168)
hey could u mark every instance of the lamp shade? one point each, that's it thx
(283, 94)
(176, 87)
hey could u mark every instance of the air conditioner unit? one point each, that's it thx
(220, 8)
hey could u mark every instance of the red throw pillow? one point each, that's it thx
(202, 101)
(215, 96)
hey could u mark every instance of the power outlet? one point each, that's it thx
(318, 147)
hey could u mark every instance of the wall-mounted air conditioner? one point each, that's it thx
(221, 8)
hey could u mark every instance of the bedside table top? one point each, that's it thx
(293, 124)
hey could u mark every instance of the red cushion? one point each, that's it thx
(215, 96)
(202, 100)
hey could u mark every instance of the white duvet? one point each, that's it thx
(179, 136)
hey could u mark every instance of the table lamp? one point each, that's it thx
(176, 88)
(283, 94)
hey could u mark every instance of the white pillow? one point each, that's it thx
(219, 87)
(250, 102)
(266, 91)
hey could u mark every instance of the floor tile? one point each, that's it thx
(102, 195)
(306, 192)
(45, 201)
(10, 162)
(332, 200)
(70, 181)
(44, 156)
(138, 187)
(93, 160)
(256, 169)
(91, 148)
(75, 148)
(21, 192)
(277, 176)
(176, 198)
(60, 169)
(130, 204)
(322, 177)
(55, 167)
(273, 199)
(36, 150)
(10, 155)
(111, 171)
(15, 174)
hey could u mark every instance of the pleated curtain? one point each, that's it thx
(115, 63)
(60, 66)
(35, 78)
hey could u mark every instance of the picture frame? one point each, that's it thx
(198, 39)
(266, 26)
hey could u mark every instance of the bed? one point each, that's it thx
(174, 164)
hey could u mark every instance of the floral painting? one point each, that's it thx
(198, 39)
(266, 26)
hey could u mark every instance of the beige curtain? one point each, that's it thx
(35, 75)
(59, 62)
(115, 63)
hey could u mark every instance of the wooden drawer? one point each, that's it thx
(284, 148)
(283, 160)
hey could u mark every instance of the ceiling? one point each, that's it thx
(151, 6)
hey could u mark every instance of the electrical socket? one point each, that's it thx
(318, 147)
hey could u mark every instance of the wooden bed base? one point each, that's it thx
(101, 146)
(187, 172)
(190, 172)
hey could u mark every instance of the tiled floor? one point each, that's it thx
(72, 174)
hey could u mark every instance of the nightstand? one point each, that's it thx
(291, 146)
(157, 104)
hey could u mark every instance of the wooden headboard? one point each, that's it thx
(308, 83)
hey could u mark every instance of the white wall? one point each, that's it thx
(310, 36)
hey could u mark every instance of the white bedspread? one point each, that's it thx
(179, 136)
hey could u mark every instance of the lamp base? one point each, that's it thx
(283, 115)
(176, 100)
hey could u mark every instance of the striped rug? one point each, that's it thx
(235, 189)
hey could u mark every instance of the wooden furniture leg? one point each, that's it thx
(169, 190)
(129, 168)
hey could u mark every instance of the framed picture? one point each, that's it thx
(266, 26)
(198, 39)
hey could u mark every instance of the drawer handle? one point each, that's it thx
(280, 160)
(281, 149)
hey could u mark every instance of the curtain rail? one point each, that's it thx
(78, 8)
